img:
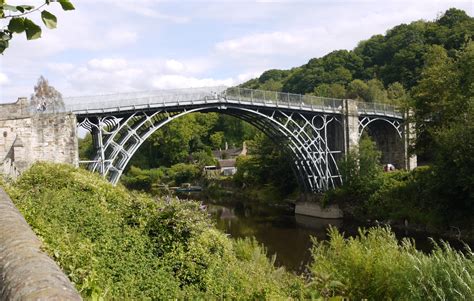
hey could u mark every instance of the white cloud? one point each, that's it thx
(3, 79)
(61, 67)
(145, 8)
(179, 81)
(128, 45)
(174, 65)
(278, 42)
(243, 77)
(107, 64)
(108, 75)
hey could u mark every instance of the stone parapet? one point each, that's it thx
(27, 136)
(27, 273)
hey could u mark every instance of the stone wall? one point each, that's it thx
(27, 273)
(27, 136)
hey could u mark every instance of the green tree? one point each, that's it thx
(376, 91)
(217, 140)
(397, 94)
(19, 23)
(357, 89)
(361, 170)
(330, 90)
(434, 99)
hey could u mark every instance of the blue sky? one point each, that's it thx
(109, 46)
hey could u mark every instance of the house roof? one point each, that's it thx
(227, 163)
(231, 152)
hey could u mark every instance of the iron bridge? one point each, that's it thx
(314, 132)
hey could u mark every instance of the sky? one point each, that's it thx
(110, 46)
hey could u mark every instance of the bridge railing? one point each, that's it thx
(285, 99)
(372, 108)
(138, 99)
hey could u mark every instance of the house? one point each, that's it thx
(226, 161)
(230, 153)
(227, 167)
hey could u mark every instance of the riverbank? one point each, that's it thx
(145, 248)
(354, 213)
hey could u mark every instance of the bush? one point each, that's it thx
(142, 179)
(182, 173)
(375, 266)
(118, 245)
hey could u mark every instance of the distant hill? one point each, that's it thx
(383, 68)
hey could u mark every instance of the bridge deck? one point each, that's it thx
(220, 96)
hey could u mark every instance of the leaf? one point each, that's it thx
(66, 5)
(49, 19)
(3, 46)
(9, 7)
(5, 36)
(23, 8)
(33, 31)
(17, 25)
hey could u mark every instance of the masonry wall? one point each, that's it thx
(26, 272)
(27, 136)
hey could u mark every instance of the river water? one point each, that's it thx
(285, 234)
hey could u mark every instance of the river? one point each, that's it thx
(286, 235)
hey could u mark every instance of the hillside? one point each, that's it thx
(381, 68)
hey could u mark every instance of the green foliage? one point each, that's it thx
(397, 56)
(143, 179)
(189, 138)
(203, 158)
(374, 266)
(357, 89)
(217, 140)
(183, 173)
(86, 148)
(361, 170)
(116, 245)
(265, 165)
(330, 90)
(397, 94)
(19, 24)
(453, 183)
(443, 94)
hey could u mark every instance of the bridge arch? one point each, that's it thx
(305, 138)
(388, 135)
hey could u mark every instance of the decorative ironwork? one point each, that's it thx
(395, 123)
(120, 123)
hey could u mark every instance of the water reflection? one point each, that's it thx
(281, 232)
(286, 235)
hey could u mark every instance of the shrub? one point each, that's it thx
(117, 245)
(182, 173)
(142, 179)
(375, 266)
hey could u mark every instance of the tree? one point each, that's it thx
(217, 140)
(330, 90)
(46, 97)
(357, 89)
(434, 97)
(397, 94)
(19, 23)
(376, 91)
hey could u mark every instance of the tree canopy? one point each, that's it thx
(396, 58)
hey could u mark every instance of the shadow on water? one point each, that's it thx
(288, 235)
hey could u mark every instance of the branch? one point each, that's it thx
(25, 13)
